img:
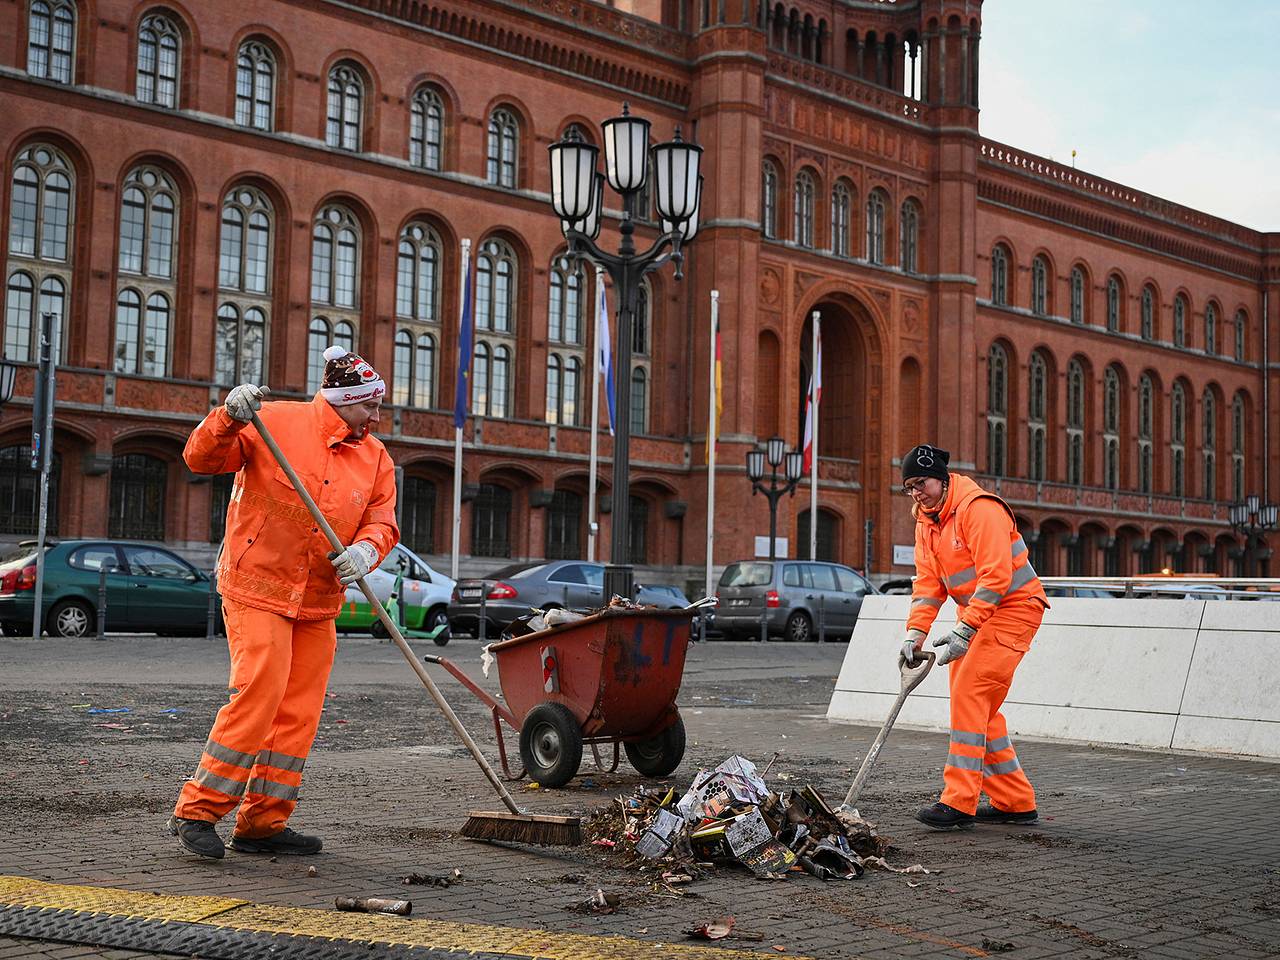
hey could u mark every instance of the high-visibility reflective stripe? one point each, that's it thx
(281, 761)
(1018, 548)
(1021, 577)
(998, 744)
(926, 602)
(990, 596)
(968, 739)
(964, 763)
(269, 788)
(995, 769)
(207, 778)
(227, 755)
(963, 577)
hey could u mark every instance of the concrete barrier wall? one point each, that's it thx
(1197, 675)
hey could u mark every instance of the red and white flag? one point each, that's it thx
(811, 404)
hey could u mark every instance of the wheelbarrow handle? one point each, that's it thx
(392, 628)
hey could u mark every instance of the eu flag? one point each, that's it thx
(466, 335)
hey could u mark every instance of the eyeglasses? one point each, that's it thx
(911, 489)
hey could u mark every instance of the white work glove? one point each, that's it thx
(911, 646)
(244, 401)
(355, 561)
(955, 643)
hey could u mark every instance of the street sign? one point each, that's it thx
(904, 555)
(781, 544)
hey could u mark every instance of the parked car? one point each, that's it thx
(149, 589)
(515, 590)
(424, 596)
(789, 595)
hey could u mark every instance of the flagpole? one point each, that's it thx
(815, 377)
(457, 430)
(712, 433)
(592, 522)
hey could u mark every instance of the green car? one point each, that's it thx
(149, 589)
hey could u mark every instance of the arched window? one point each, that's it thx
(997, 410)
(1239, 329)
(426, 129)
(1237, 448)
(641, 355)
(1146, 429)
(335, 258)
(417, 274)
(1179, 321)
(802, 209)
(244, 279)
(491, 522)
(1148, 313)
(255, 86)
(841, 206)
(51, 40)
(1210, 329)
(413, 369)
(417, 530)
(1114, 297)
(639, 401)
(137, 499)
(1040, 286)
(158, 57)
(503, 153)
(565, 306)
(1178, 440)
(20, 492)
(490, 391)
(1037, 406)
(495, 287)
(148, 224)
(240, 352)
(320, 336)
(1075, 423)
(642, 322)
(769, 200)
(554, 387)
(564, 380)
(40, 225)
(908, 241)
(1000, 276)
(564, 524)
(1209, 446)
(875, 226)
(344, 117)
(1111, 429)
(828, 539)
(1078, 288)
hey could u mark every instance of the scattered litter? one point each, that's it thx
(572, 878)
(599, 842)
(435, 879)
(716, 929)
(108, 709)
(914, 868)
(373, 905)
(174, 710)
(312, 872)
(80, 706)
(998, 946)
(487, 660)
(599, 902)
(532, 785)
(113, 726)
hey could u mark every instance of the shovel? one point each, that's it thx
(912, 677)
(515, 825)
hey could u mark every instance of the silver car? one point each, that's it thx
(789, 597)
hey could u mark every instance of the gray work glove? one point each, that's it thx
(911, 646)
(355, 561)
(244, 401)
(955, 643)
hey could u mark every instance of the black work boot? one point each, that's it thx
(940, 816)
(989, 813)
(198, 837)
(287, 841)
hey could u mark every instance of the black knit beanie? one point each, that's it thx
(925, 461)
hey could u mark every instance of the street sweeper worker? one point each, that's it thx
(968, 548)
(282, 588)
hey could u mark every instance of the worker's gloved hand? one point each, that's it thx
(355, 561)
(955, 643)
(911, 646)
(244, 401)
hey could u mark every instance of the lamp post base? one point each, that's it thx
(619, 581)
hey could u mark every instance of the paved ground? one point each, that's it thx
(1138, 854)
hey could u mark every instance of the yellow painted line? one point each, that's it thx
(366, 928)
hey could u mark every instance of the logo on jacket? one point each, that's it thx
(957, 543)
(357, 497)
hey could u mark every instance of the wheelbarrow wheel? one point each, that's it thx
(551, 744)
(660, 755)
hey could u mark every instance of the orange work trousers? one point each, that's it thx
(261, 737)
(981, 758)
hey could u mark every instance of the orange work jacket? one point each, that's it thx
(274, 557)
(971, 551)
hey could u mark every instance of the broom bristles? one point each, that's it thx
(520, 828)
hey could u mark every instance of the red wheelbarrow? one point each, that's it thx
(611, 677)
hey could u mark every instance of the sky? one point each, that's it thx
(1178, 98)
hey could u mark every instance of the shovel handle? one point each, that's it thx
(392, 628)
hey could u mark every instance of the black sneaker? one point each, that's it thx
(287, 841)
(198, 837)
(988, 813)
(942, 817)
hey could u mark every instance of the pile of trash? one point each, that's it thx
(730, 816)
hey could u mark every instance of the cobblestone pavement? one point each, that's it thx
(1137, 854)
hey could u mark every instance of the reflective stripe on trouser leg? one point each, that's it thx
(273, 786)
(259, 643)
(1003, 779)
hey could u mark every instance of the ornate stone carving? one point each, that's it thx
(770, 286)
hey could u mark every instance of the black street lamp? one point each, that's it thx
(8, 374)
(1251, 519)
(776, 453)
(577, 194)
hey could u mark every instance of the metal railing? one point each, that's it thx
(1175, 587)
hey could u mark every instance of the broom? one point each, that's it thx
(513, 825)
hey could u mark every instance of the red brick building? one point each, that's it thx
(205, 193)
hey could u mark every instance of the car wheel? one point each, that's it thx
(71, 618)
(551, 744)
(659, 756)
(438, 617)
(378, 630)
(799, 627)
(11, 628)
